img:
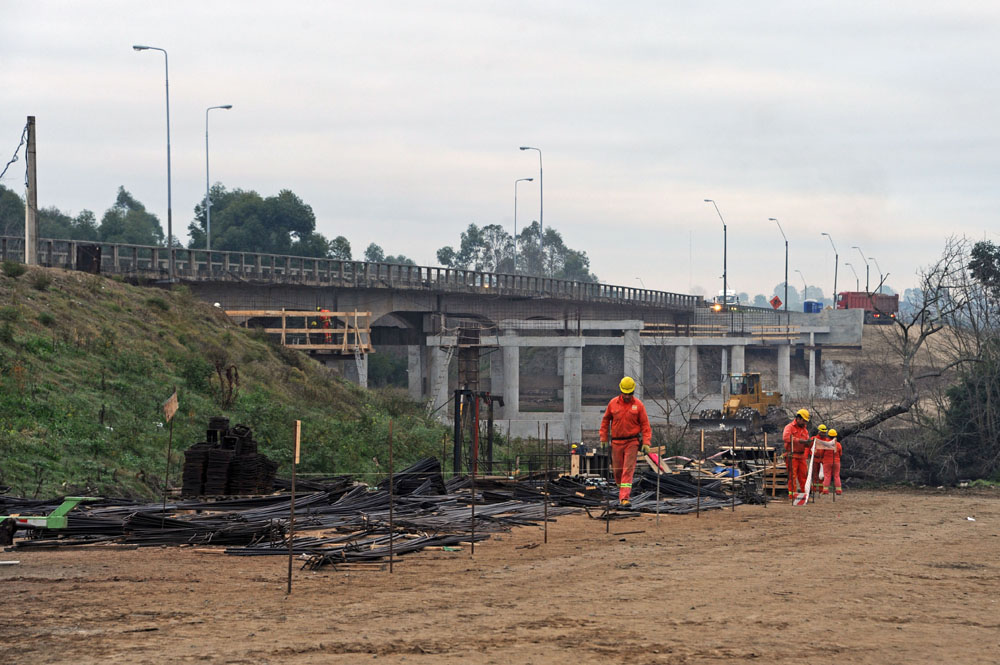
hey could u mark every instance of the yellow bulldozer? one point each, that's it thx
(746, 407)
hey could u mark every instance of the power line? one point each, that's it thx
(24, 137)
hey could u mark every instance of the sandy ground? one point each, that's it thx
(877, 577)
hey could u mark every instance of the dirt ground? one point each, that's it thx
(877, 577)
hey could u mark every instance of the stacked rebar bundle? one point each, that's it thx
(226, 463)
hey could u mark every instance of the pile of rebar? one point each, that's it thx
(339, 521)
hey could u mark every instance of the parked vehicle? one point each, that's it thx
(880, 308)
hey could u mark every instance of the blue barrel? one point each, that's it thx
(812, 307)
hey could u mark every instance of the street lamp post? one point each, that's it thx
(208, 201)
(857, 286)
(170, 221)
(836, 264)
(725, 283)
(867, 272)
(804, 287)
(515, 218)
(881, 277)
(773, 219)
(541, 197)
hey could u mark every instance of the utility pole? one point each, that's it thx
(31, 201)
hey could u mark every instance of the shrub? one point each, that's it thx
(46, 319)
(158, 303)
(13, 269)
(41, 280)
(10, 314)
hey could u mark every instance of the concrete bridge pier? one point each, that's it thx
(633, 359)
(573, 393)
(415, 364)
(784, 369)
(682, 376)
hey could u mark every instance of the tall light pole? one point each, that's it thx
(804, 287)
(773, 219)
(541, 198)
(866, 265)
(881, 277)
(836, 264)
(857, 285)
(170, 218)
(725, 283)
(515, 218)
(208, 201)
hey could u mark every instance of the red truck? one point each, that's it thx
(879, 307)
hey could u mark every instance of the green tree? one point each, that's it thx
(11, 213)
(53, 223)
(128, 222)
(244, 221)
(375, 254)
(340, 248)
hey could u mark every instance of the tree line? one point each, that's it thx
(245, 221)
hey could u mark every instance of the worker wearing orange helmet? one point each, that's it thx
(831, 469)
(796, 438)
(626, 426)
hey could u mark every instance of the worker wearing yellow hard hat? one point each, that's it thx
(822, 439)
(796, 438)
(832, 468)
(625, 426)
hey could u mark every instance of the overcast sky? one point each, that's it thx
(399, 123)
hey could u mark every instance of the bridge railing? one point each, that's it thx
(203, 265)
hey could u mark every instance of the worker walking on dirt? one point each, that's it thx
(626, 426)
(831, 466)
(797, 443)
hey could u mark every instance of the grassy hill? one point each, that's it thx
(86, 363)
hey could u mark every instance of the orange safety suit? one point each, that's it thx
(820, 460)
(831, 469)
(797, 444)
(327, 336)
(625, 425)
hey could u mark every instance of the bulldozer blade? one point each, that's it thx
(720, 424)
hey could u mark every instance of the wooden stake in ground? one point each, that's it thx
(701, 461)
(545, 487)
(391, 531)
(291, 504)
(475, 467)
(732, 475)
(169, 409)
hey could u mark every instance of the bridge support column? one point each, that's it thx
(812, 365)
(633, 359)
(725, 371)
(739, 365)
(682, 375)
(511, 381)
(573, 393)
(439, 382)
(693, 370)
(415, 372)
(784, 370)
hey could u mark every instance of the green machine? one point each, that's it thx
(55, 520)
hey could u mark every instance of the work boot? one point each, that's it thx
(839, 491)
(624, 503)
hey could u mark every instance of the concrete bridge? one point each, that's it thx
(555, 349)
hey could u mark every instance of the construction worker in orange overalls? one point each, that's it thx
(325, 321)
(797, 443)
(626, 426)
(819, 460)
(831, 468)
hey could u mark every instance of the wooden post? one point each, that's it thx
(545, 493)
(474, 467)
(700, 462)
(31, 199)
(291, 503)
(169, 409)
(391, 525)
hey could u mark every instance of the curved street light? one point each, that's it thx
(857, 285)
(541, 196)
(170, 224)
(867, 272)
(836, 264)
(725, 284)
(208, 201)
(804, 287)
(881, 277)
(515, 218)
(775, 220)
